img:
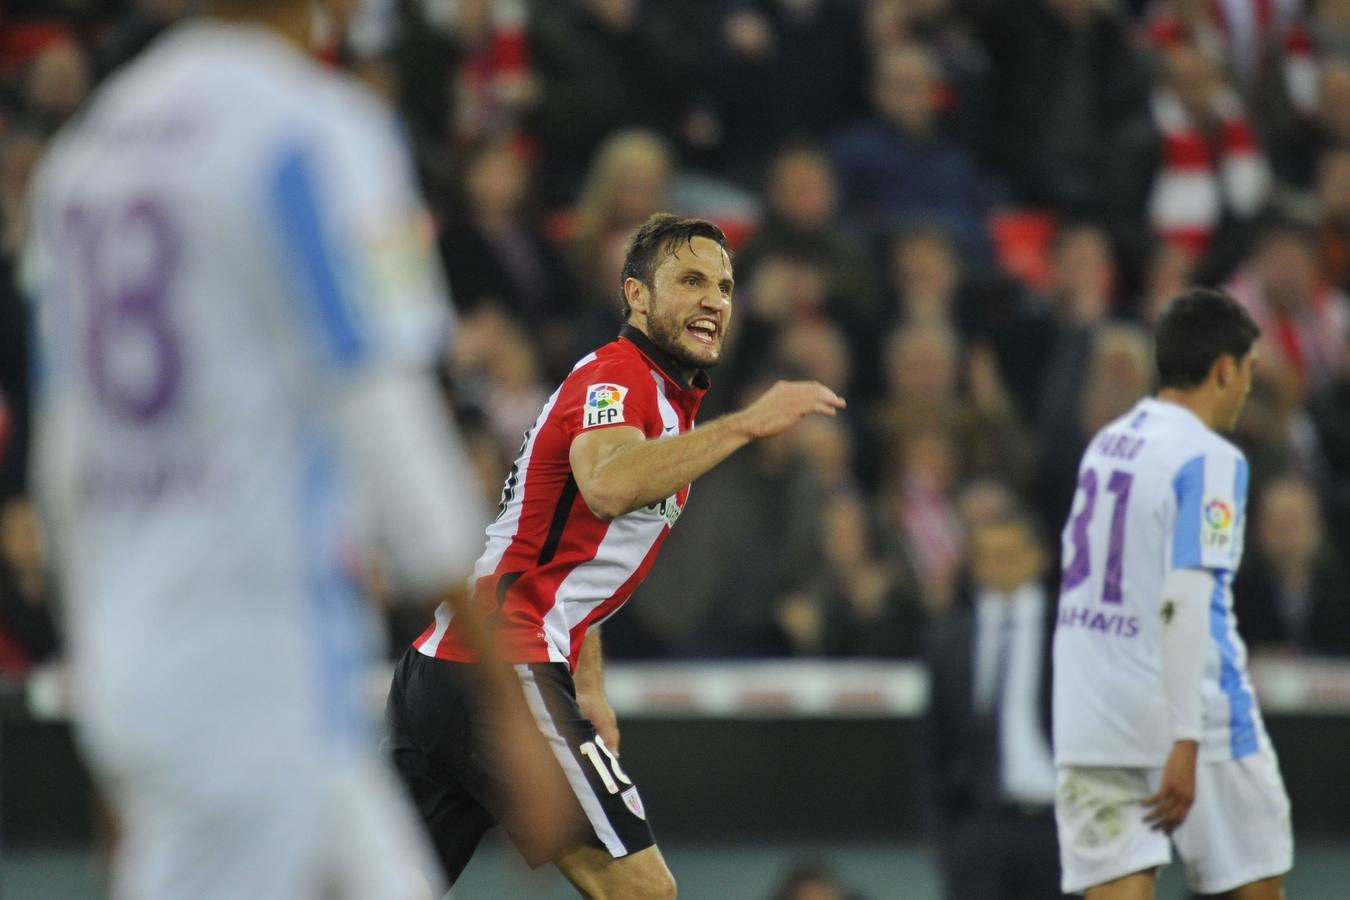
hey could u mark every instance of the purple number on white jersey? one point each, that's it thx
(128, 262)
(1080, 566)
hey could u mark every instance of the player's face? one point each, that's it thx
(689, 305)
(1240, 387)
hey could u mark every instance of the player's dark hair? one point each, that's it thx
(1198, 328)
(663, 234)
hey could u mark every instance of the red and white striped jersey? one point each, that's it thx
(552, 568)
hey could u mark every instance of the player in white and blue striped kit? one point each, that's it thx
(239, 316)
(1156, 728)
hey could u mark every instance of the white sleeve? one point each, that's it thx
(419, 487)
(356, 246)
(1186, 599)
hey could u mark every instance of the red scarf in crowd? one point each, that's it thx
(1205, 174)
(1243, 33)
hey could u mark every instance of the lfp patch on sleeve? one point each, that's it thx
(1217, 530)
(604, 405)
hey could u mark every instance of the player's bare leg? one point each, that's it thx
(599, 876)
(1265, 889)
(1136, 886)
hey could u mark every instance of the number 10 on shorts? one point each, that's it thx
(605, 762)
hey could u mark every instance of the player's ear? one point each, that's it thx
(637, 294)
(1225, 370)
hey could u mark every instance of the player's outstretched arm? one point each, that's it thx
(618, 470)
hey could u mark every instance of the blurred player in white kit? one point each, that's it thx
(237, 316)
(1156, 729)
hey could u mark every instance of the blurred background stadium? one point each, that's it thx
(963, 215)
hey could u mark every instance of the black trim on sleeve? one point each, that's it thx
(560, 515)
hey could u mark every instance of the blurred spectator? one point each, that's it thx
(605, 65)
(1332, 119)
(985, 500)
(819, 350)
(947, 35)
(1081, 296)
(494, 88)
(1290, 592)
(811, 881)
(1264, 43)
(1170, 271)
(1068, 107)
(1329, 414)
(496, 365)
(1275, 431)
(787, 68)
(783, 288)
(925, 277)
(896, 168)
(496, 253)
(923, 372)
(19, 152)
(801, 219)
(871, 598)
(57, 83)
(1118, 374)
(1333, 222)
(1213, 180)
(27, 633)
(750, 537)
(921, 518)
(1303, 319)
(988, 722)
(136, 28)
(628, 180)
(928, 284)
(1330, 26)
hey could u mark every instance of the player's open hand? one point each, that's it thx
(786, 403)
(1168, 807)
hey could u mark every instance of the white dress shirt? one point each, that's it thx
(1027, 768)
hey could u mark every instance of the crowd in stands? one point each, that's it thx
(963, 215)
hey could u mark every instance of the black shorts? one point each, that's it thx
(442, 751)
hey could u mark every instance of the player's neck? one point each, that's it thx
(1198, 400)
(639, 324)
(290, 22)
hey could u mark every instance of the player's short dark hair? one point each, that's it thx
(662, 234)
(1198, 328)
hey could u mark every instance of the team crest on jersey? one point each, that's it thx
(634, 803)
(604, 405)
(1218, 526)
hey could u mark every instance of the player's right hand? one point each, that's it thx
(786, 403)
(1168, 807)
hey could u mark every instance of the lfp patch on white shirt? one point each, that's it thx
(604, 405)
(1217, 529)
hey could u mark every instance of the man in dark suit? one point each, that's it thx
(992, 773)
